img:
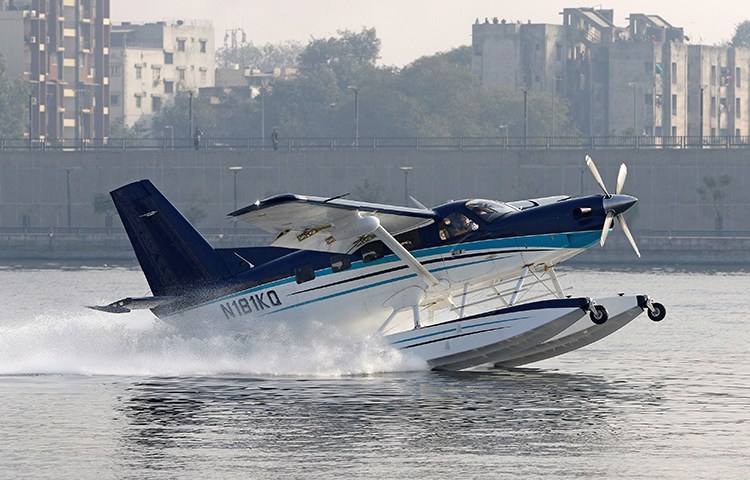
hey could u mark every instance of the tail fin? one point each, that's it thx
(175, 258)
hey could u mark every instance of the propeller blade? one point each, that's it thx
(595, 173)
(606, 227)
(621, 176)
(625, 229)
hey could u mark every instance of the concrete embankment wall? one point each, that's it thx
(34, 185)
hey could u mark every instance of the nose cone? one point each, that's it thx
(618, 203)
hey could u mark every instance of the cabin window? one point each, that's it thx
(409, 240)
(304, 273)
(456, 224)
(490, 210)
(373, 251)
(340, 262)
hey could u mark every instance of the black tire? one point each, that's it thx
(659, 312)
(599, 314)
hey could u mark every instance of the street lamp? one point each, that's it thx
(554, 96)
(236, 170)
(356, 114)
(406, 184)
(190, 113)
(32, 102)
(633, 84)
(170, 131)
(67, 184)
(700, 126)
(525, 117)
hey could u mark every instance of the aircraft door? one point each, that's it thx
(462, 261)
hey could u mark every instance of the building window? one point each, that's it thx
(713, 106)
(155, 104)
(168, 87)
(674, 105)
(713, 74)
(137, 101)
(168, 58)
(204, 76)
(674, 72)
(203, 45)
(114, 70)
(114, 99)
(180, 44)
(737, 106)
(138, 72)
(181, 74)
(674, 131)
(738, 77)
(156, 75)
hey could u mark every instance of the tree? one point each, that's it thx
(103, 204)
(713, 190)
(741, 37)
(177, 116)
(13, 95)
(350, 56)
(264, 57)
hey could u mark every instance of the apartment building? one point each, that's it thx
(644, 79)
(61, 48)
(151, 62)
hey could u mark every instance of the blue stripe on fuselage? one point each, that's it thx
(575, 240)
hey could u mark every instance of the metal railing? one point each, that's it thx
(380, 143)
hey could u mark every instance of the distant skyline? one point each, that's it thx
(409, 29)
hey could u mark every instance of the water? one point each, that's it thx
(85, 394)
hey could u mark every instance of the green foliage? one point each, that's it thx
(714, 190)
(264, 57)
(13, 95)
(177, 115)
(103, 204)
(741, 37)
(435, 95)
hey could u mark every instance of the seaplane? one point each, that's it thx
(463, 284)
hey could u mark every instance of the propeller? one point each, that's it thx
(615, 204)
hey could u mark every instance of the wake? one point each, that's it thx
(93, 343)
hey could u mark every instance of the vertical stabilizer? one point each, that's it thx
(175, 258)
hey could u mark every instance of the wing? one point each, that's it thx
(330, 225)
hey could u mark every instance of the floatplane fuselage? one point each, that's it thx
(451, 278)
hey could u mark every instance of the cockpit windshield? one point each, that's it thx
(490, 210)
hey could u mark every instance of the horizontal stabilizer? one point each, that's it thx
(130, 303)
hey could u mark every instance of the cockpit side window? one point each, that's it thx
(490, 210)
(456, 224)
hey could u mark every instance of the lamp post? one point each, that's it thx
(525, 117)
(700, 125)
(356, 114)
(235, 170)
(190, 113)
(32, 101)
(633, 84)
(262, 116)
(67, 182)
(554, 97)
(406, 184)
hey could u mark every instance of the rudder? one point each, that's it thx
(175, 258)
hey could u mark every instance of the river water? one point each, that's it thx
(85, 394)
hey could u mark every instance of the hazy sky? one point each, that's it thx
(409, 29)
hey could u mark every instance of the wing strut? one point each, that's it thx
(406, 257)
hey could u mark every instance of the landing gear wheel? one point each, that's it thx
(658, 313)
(599, 314)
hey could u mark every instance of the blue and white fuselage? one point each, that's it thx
(360, 268)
